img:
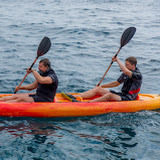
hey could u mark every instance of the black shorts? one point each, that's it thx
(125, 97)
(38, 98)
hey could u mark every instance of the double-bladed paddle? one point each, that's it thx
(125, 38)
(43, 48)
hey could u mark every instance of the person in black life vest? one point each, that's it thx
(46, 83)
(131, 79)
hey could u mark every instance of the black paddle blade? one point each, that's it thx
(127, 35)
(44, 46)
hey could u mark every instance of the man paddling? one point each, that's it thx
(131, 79)
(46, 83)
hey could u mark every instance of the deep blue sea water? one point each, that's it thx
(85, 35)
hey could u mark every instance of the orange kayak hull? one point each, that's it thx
(64, 108)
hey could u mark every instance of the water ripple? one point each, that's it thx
(85, 35)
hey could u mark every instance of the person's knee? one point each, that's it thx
(111, 96)
(15, 96)
(108, 96)
(95, 89)
(99, 89)
(20, 99)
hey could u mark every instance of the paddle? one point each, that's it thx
(43, 48)
(125, 38)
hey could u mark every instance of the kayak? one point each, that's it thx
(63, 108)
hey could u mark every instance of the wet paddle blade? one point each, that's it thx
(44, 46)
(127, 35)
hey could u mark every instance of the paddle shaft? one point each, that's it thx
(43, 48)
(125, 38)
(109, 67)
(26, 74)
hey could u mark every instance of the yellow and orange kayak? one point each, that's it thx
(63, 108)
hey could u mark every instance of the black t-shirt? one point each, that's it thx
(48, 91)
(131, 86)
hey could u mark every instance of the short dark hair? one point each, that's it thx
(45, 62)
(132, 60)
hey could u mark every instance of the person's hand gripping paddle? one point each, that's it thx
(43, 48)
(125, 38)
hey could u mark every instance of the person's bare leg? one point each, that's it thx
(93, 92)
(7, 98)
(13, 97)
(107, 97)
(21, 98)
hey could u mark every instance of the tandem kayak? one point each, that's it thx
(63, 108)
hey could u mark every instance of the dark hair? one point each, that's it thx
(132, 60)
(45, 62)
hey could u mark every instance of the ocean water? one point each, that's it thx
(85, 35)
